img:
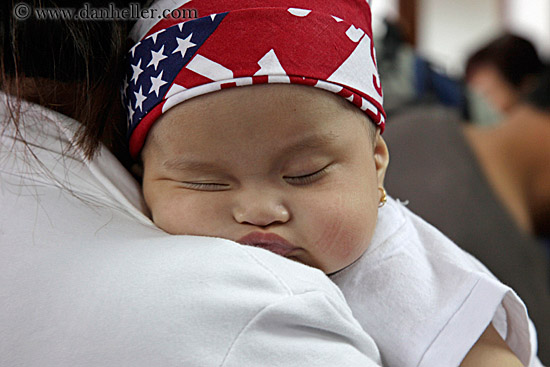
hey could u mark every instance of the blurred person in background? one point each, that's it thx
(500, 72)
(487, 188)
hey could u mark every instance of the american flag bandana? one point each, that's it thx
(320, 43)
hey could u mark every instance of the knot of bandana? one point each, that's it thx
(325, 44)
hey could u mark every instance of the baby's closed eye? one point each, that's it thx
(205, 186)
(308, 177)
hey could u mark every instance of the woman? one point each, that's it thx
(503, 70)
(87, 279)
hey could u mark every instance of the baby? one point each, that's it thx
(243, 122)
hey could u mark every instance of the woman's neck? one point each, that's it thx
(515, 158)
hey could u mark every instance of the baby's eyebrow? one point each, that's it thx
(311, 142)
(185, 164)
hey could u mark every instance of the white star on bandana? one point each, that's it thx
(137, 71)
(156, 57)
(184, 45)
(139, 99)
(156, 83)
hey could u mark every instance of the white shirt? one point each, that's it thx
(86, 279)
(424, 300)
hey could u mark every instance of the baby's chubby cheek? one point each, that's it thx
(344, 232)
(181, 216)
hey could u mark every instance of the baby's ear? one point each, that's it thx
(381, 157)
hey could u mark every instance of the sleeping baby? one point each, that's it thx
(262, 125)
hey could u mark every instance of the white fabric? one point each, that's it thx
(87, 280)
(424, 300)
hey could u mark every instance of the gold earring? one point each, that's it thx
(384, 198)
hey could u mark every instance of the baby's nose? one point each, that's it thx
(260, 210)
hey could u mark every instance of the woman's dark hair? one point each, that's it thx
(515, 58)
(539, 95)
(43, 59)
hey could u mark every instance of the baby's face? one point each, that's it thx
(288, 168)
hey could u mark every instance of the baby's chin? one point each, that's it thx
(334, 272)
(324, 264)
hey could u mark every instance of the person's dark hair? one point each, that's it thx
(539, 96)
(77, 62)
(515, 58)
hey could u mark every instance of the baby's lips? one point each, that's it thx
(268, 241)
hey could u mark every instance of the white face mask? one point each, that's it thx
(481, 111)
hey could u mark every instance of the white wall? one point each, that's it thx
(530, 19)
(383, 9)
(449, 30)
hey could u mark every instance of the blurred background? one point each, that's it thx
(467, 96)
(440, 35)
